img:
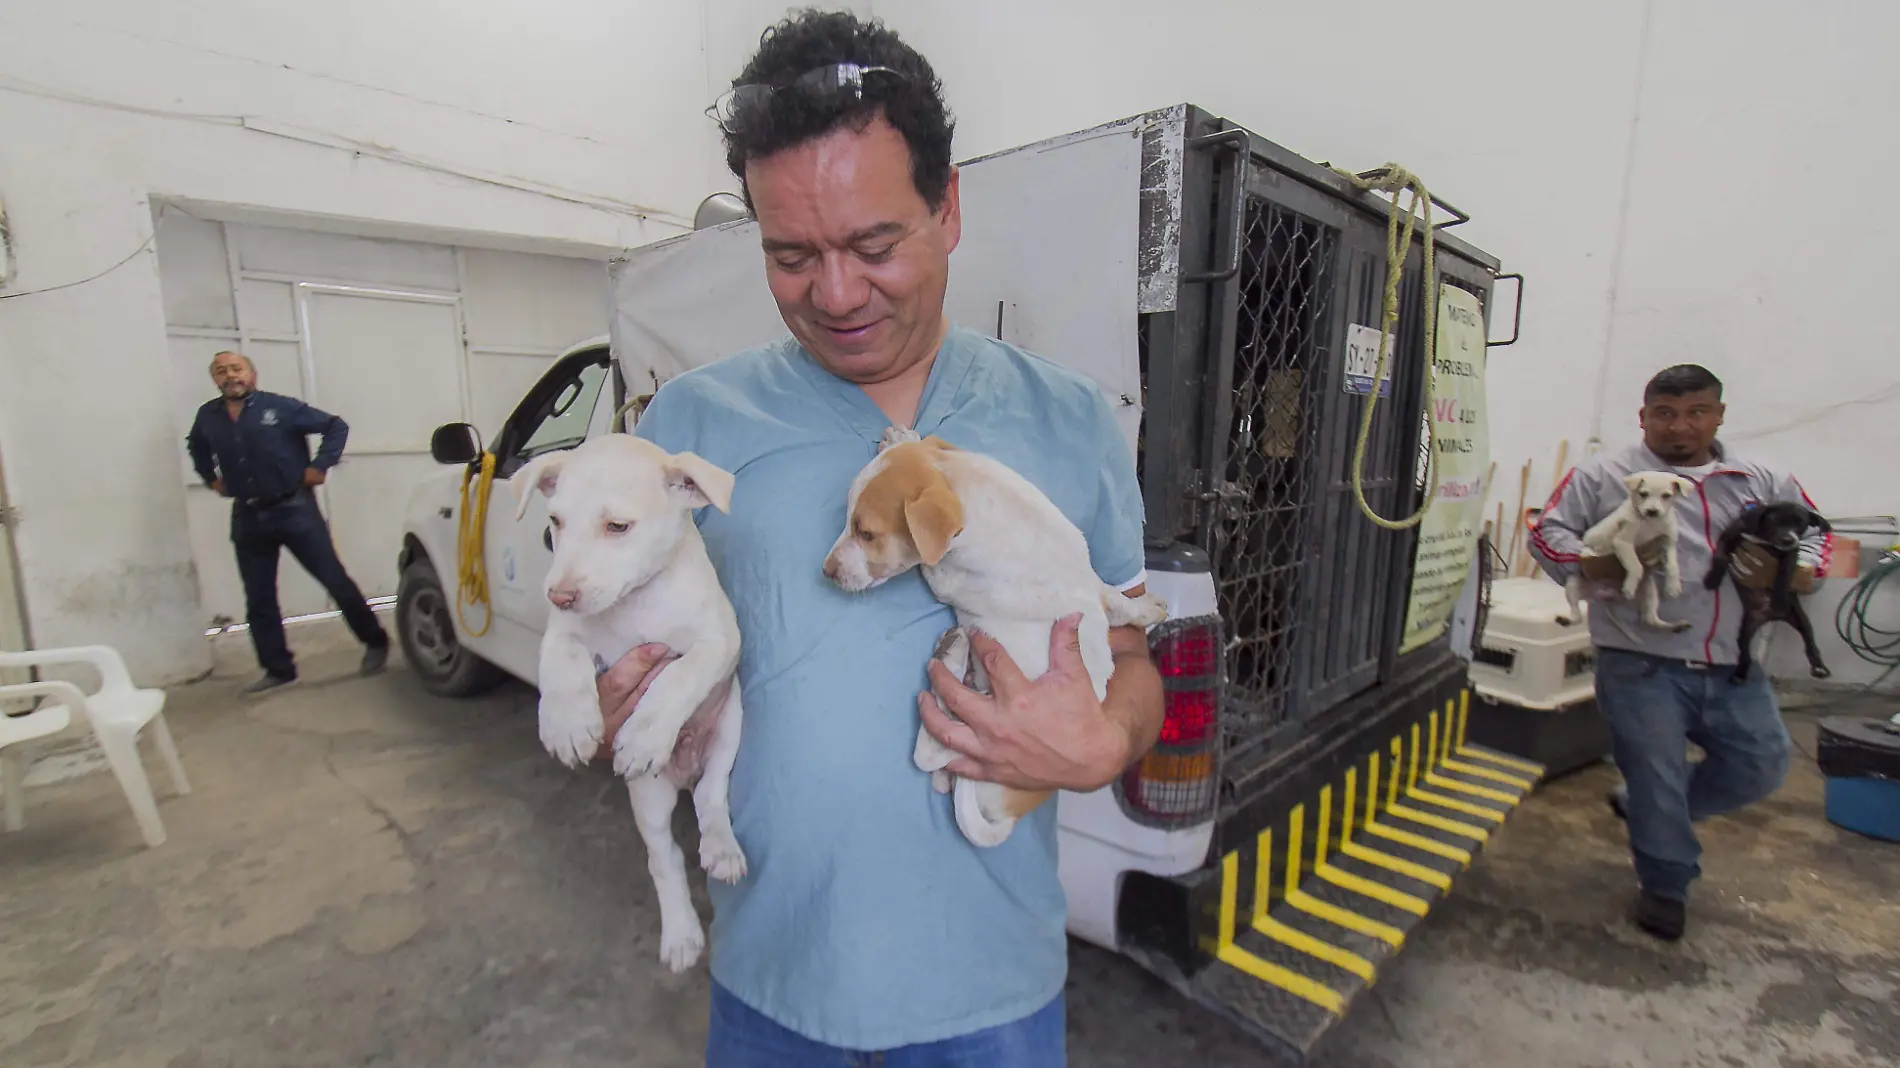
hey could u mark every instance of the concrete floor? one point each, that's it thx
(366, 875)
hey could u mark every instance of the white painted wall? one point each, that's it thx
(1679, 180)
(485, 124)
(1697, 159)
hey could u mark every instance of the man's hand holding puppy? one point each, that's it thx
(1050, 733)
(622, 685)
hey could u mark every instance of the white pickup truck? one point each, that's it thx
(1313, 793)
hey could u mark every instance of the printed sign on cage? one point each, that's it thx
(1362, 358)
(1461, 453)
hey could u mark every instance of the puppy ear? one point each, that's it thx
(1684, 485)
(541, 473)
(939, 444)
(934, 516)
(699, 481)
(1631, 481)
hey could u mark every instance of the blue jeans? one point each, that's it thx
(738, 1037)
(1654, 707)
(260, 535)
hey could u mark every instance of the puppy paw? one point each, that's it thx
(640, 749)
(895, 435)
(1124, 611)
(930, 754)
(1672, 588)
(681, 946)
(1630, 587)
(1680, 626)
(940, 781)
(720, 856)
(1820, 671)
(572, 736)
(1565, 621)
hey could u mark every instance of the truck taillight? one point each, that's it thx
(1190, 715)
(1175, 782)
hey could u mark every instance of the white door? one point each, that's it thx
(335, 320)
(572, 402)
(389, 363)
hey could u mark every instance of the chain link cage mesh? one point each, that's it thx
(1260, 526)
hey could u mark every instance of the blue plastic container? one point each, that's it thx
(1865, 806)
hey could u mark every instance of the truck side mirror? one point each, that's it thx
(455, 443)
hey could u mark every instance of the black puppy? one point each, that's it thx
(1775, 531)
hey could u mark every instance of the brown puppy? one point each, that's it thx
(996, 550)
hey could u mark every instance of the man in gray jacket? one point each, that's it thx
(1661, 689)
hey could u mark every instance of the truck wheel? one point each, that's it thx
(425, 624)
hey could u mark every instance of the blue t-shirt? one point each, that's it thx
(866, 920)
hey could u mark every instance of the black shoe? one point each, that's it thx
(268, 683)
(1661, 916)
(374, 658)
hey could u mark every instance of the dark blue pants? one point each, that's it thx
(296, 525)
(738, 1037)
(1655, 707)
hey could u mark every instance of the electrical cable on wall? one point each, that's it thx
(143, 245)
(356, 147)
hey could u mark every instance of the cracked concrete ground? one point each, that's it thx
(367, 875)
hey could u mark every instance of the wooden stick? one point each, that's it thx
(1496, 527)
(1556, 479)
(1517, 525)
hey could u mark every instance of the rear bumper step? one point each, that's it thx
(1297, 923)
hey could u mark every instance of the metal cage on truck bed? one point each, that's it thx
(1345, 795)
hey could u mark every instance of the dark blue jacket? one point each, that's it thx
(263, 453)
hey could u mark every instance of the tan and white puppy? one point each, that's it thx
(630, 569)
(1643, 525)
(996, 550)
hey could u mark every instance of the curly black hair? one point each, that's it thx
(1682, 380)
(805, 40)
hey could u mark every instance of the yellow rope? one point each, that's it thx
(471, 571)
(1395, 179)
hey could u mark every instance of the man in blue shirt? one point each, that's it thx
(867, 929)
(253, 447)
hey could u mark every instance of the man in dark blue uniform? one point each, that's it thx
(252, 447)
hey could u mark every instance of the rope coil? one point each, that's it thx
(471, 572)
(1395, 180)
(1871, 642)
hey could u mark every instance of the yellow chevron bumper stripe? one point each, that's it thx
(1266, 971)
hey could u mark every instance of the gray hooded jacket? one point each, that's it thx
(1595, 488)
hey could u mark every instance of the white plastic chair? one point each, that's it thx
(117, 712)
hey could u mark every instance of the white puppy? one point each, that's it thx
(999, 553)
(629, 569)
(1643, 524)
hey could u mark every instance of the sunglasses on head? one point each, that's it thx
(834, 82)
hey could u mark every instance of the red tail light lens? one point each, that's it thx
(1189, 717)
(1185, 654)
(1174, 784)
